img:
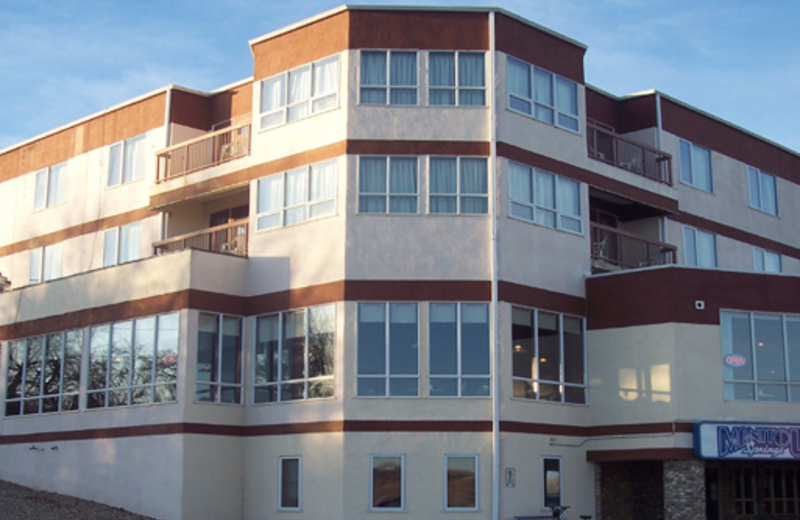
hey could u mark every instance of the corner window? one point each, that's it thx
(461, 482)
(552, 482)
(290, 484)
(299, 93)
(457, 78)
(43, 374)
(387, 482)
(122, 244)
(761, 356)
(133, 362)
(547, 97)
(548, 356)
(459, 349)
(763, 191)
(766, 261)
(294, 355)
(126, 161)
(296, 196)
(695, 166)
(459, 185)
(388, 350)
(389, 77)
(51, 186)
(388, 185)
(219, 359)
(544, 198)
(699, 247)
(45, 264)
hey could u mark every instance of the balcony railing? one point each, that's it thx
(607, 146)
(615, 249)
(205, 151)
(228, 238)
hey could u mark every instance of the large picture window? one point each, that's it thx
(548, 356)
(219, 359)
(544, 198)
(51, 186)
(456, 78)
(547, 97)
(459, 185)
(761, 356)
(296, 196)
(389, 77)
(699, 247)
(387, 482)
(388, 185)
(461, 482)
(388, 353)
(459, 349)
(763, 191)
(294, 355)
(43, 374)
(695, 166)
(126, 161)
(299, 93)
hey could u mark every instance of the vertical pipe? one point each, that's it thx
(495, 312)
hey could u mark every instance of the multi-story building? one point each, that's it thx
(413, 264)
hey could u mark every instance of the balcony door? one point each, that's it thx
(228, 215)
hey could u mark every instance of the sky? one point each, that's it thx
(61, 60)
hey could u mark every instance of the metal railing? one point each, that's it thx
(609, 147)
(228, 238)
(613, 247)
(202, 152)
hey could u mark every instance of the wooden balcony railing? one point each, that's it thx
(615, 248)
(228, 238)
(607, 146)
(202, 152)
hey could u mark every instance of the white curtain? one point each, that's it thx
(133, 167)
(403, 180)
(519, 182)
(569, 201)
(52, 262)
(296, 195)
(373, 74)
(473, 177)
(299, 93)
(566, 96)
(35, 265)
(545, 199)
(326, 83)
(129, 242)
(115, 164)
(403, 73)
(519, 80)
(706, 249)
(57, 185)
(443, 181)
(323, 188)
(273, 93)
(701, 168)
(543, 86)
(768, 194)
(110, 247)
(471, 73)
(442, 74)
(41, 189)
(270, 201)
(372, 180)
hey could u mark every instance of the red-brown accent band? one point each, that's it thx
(644, 454)
(624, 115)
(540, 298)
(418, 290)
(296, 298)
(403, 29)
(365, 147)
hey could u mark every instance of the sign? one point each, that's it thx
(747, 441)
(511, 477)
(735, 360)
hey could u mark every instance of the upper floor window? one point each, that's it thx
(294, 355)
(459, 350)
(297, 195)
(459, 185)
(388, 185)
(299, 93)
(45, 264)
(51, 186)
(766, 261)
(761, 356)
(544, 198)
(699, 247)
(547, 97)
(548, 356)
(696, 166)
(122, 244)
(126, 161)
(763, 191)
(219, 359)
(456, 78)
(388, 353)
(389, 77)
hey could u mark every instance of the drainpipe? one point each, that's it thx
(660, 145)
(167, 142)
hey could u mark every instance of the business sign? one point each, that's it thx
(735, 360)
(747, 441)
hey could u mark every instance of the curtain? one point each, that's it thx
(129, 242)
(689, 249)
(519, 183)
(323, 188)
(372, 180)
(543, 86)
(299, 93)
(768, 194)
(443, 182)
(52, 262)
(41, 189)
(569, 201)
(35, 266)
(57, 185)
(114, 164)
(133, 167)
(270, 200)
(706, 249)
(273, 93)
(519, 81)
(566, 96)
(701, 168)
(545, 199)
(442, 74)
(373, 74)
(296, 195)
(473, 177)
(403, 180)
(403, 73)
(471, 73)
(326, 79)
(110, 247)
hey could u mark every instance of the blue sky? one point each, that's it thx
(63, 60)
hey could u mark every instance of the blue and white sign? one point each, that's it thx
(747, 441)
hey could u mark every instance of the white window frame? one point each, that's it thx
(114, 235)
(456, 88)
(402, 481)
(45, 263)
(459, 376)
(387, 85)
(122, 164)
(559, 117)
(758, 196)
(690, 234)
(687, 174)
(446, 488)
(760, 257)
(216, 382)
(560, 480)
(50, 186)
(536, 209)
(388, 194)
(458, 194)
(299, 506)
(316, 100)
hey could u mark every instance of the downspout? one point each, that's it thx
(167, 142)
(495, 311)
(660, 146)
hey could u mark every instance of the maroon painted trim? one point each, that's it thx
(645, 454)
(594, 431)
(418, 290)
(387, 147)
(540, 298)
(419, 426)
(404, 29)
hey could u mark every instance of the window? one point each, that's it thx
(459, 185)
(461, 482)
(552, 482)
(542, 94)
(126, 161)
(781, 491)
(395, 84)
(545, 199)
(290, 478)
(466, 87)
(761, 356)
(766, 261)
(43, 373)
(745, 497)
(388, 358)
(294, 355)
(387, 185)
(387, 482)
(459, 349)
(763, 191)
(45, 264)
(122, 244)
(219, 359)
(298, 195)
(699, 247)
(51, 186)
(133, 362)
(695, 166)
(548, 356)
(299, 93)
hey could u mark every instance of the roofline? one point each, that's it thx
(456, 9)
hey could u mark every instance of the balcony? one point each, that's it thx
(614, 249)
(228, 238)
(203, 152)
(607, 146)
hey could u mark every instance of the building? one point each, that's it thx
(416, 264)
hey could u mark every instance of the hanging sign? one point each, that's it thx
(747, 441)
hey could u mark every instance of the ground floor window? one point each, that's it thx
(219, 359)
(461, 482)
(388, 353)
(387, 482)
(290, 483)
(781, 491)
(551, 468)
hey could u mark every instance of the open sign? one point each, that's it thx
(735, 360)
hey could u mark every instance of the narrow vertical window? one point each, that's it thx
(290, 483)
(459, 350)
(219, 358)
(700, 247)
(461, 482)
(695, 166)
(387, 481)
(766, 261)
(35, 266)
(552, 482)
(763, 191)
(388, 361)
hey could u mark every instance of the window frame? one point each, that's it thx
(558, 460)
(760, 257)
(387, 85)
(689, 177)
(476, 486)
(281, 483)
(459, 194)
(117, 233)
(456, 88)
(695, 259)
(137, 169)
(43, 262)
(50, 186)
(755, 189)
(531, 98)
(769, 485)
(745, 504)
(536, 209)
(215, 385)
(388, 194)
(402, 459)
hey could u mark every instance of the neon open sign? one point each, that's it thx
(735, 360)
